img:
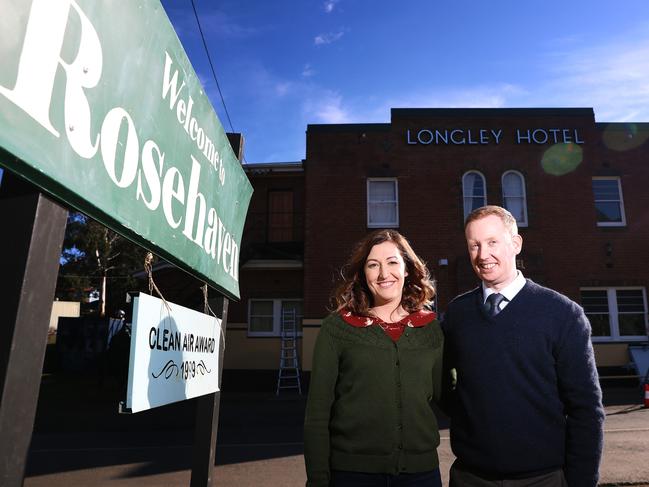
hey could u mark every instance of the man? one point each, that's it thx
(526, 405)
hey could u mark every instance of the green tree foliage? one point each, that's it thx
(96, 260)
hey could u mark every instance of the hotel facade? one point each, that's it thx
(578, 189)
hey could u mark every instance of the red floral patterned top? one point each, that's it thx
(394, 330)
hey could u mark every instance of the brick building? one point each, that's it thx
(272, 266)
(577, 187)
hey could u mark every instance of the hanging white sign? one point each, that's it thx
(174, 354)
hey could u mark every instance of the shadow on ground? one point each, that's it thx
(629, 392)
(78, 426)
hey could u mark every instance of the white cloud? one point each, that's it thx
(214, 23)
(220, 25)
(496, 96)
(476, 97)
(283, 88)
(307, 71)
(321, 105)
(329, 5)
(328, 38)
(324, 106)
(332, 113)
(613, 79)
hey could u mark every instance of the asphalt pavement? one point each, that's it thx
(80, 440)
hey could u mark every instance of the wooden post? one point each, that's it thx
(207, 423)
(33, 227)
(207, 407)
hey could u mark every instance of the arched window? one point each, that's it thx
(514, 198)
(474, 191)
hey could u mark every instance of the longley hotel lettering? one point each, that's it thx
(458, 136)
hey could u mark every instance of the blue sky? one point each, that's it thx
(283, 64)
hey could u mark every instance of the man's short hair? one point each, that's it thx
(485, 211)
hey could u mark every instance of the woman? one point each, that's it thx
(377, 366)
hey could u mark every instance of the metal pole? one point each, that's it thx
(207, 423)
(33, 227)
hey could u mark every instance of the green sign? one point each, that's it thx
(100, 107)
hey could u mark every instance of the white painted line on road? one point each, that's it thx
(630, 430)
(627, 430)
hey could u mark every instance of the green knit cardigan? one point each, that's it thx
(370, 399)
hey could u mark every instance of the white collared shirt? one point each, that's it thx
(509, 292)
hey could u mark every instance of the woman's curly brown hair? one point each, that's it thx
(354, 295)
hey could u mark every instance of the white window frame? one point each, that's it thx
(524, 222)
(464, 195)
(613, 312)
(620, 202)
(277, 316)
(394, 224)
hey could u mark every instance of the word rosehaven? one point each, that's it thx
(157, 182)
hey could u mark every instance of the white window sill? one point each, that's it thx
(621, 339)
(611, 224)
(383, 225)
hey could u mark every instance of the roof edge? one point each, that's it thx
(348, 127)
(491, 112)
(297, 166)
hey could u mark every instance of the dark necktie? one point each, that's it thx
(493, 304)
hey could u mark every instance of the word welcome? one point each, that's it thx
(127, 162)
(189, 123)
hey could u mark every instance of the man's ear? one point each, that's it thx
(517, 241)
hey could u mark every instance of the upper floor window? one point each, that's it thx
(265, 315)
(474, 191)
(280, 216)
(616, 313)
(382, 203)
(514, 197)
(609, 204)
